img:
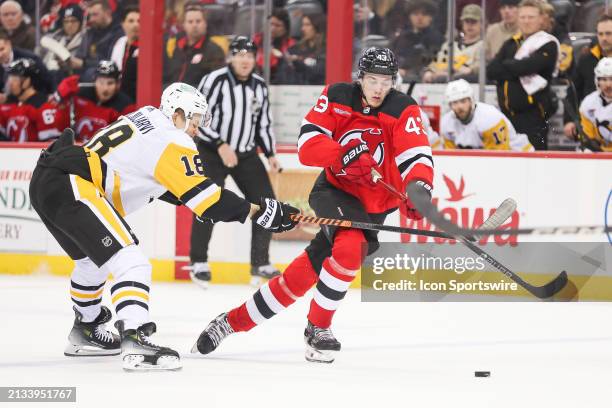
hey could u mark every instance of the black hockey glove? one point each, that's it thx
(274, 215)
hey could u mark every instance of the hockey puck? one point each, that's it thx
(482, 373)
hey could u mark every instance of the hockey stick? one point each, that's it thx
(421, 201)
(366, 225)
(573, 111)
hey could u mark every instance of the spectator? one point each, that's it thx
(9, 54)
(125, 51)
(471, 125)
(566, 52)
(26, 115)
(99, 38)
(69, 35)
(304, 62)
(499, 32)
(94, 107)
(229, 147)
(416, 45)
(584, 77)
(384, 17)
(194, 55)
(466, 59)
(280, 28)
(22, 35)
(596, 110)
(523, 69)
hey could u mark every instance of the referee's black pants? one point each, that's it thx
(252, 179)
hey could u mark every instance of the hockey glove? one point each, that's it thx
(407, 208)
(355, 163)
(67, 88)
(274, 215)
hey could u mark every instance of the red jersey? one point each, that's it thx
(33, 120)
(91, 116)
(393, 132)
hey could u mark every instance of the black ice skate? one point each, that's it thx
(259, 274)
(320, 344)
(200, 274)
(92, 338)
(213, 335)
(139, 354)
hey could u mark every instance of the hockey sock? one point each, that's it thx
(337, 273)
(86, 288)
(130, 291)
(273, 297)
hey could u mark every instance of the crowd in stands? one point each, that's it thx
(78, 36)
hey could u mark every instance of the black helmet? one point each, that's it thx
(24, 67)
(241, 43)
(378, 60)
(107, 68)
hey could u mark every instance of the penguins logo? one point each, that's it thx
(371, 137)
(605, 129)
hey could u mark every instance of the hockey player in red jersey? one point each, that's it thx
(27, 116)
(94, 107)
(351, 129)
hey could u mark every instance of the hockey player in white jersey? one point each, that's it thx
(82, 193)
(471, 125)
(596, 109)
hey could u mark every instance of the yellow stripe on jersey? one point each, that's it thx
(497, 137)
(176, 171)
(90, 195)
(117, 203)
(449, 144)
(95, 168)
(208, 202)
(588, 127)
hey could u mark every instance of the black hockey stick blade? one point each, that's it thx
(551, 288)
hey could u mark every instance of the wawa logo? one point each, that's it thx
(465, 216)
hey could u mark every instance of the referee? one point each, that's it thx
(238, 102)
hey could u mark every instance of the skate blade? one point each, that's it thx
(319, 356)
(72, 350)
(136, 363)
(201, 283)
(194, 349)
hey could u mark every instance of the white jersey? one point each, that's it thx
(142, 156)
(488, 129)
(596, 119)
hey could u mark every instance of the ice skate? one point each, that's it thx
(139, 354)
(320, 344)
(92, 338)
(213, 335)
(200, 274)
(260, 274)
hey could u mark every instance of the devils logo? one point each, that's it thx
(371, 137)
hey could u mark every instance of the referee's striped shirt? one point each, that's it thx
(240, 112)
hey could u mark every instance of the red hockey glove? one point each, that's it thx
(407, 208)
(355, 163)
(68, 87)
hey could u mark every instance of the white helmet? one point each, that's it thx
(603, 69)
(185, 97)
(459, 89)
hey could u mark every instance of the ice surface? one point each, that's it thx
(394, 354)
